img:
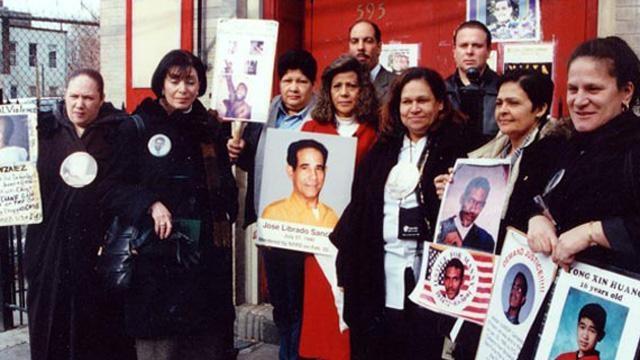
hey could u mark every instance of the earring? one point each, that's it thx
(625, 107)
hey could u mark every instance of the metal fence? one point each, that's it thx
(12, 282)
(38, 53)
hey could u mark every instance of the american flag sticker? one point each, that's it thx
(457, 282)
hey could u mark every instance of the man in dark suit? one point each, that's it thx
(460, 230)
(365, 44)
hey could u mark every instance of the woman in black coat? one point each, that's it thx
(175, 176)
(422, 132)
(69, 315)
(593, 209)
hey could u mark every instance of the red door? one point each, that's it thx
(430, 23)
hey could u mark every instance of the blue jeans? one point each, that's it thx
(285, 281)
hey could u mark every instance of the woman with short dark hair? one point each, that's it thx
(179, 304)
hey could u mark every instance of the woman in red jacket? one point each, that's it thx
(347, 106)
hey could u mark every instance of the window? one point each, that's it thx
(33, 54)
(53, 91)
(13, 92)
(12, 53)
(52, 59)
(32, 91)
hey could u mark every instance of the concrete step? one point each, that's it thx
(254, 323)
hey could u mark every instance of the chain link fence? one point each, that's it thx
(39, 52)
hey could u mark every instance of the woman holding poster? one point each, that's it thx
(522, 105)
(347, 106)
(589, 209)
(381, 233)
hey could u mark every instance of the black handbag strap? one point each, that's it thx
(137, 119)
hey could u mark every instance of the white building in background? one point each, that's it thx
(29, 47)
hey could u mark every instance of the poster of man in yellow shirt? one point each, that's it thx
(296, 216)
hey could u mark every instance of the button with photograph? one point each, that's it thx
(159, 145)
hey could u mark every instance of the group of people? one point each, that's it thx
(171, 172)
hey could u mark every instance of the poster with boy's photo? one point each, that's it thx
(243, 68)
(455, 281)
(592, 315)
(471, 208)
(20, 202)
(508, 20)
(396, 58)
(306, 184)
(522, 281)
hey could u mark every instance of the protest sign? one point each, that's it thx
(592, 315)
(243, 68)
(455, 281)
(397, 57)
(300, 203)
(522, 281)
(20, 202)
(472, 204)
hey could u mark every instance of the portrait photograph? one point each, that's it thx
(14, 139)
(472, 205)
(455, 281)
(518, 294)
(593, 314)
(306, 184)
(589, 324)
(508, 20)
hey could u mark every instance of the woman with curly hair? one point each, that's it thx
(347, 106)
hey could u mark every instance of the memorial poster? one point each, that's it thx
(593, 315)
(243, 68)
(522, 281)
(20, 201)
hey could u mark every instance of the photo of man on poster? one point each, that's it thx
(306, 167)
(453, 278)
(517, 298)
(460, 229)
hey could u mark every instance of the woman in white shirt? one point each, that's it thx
(381, 234)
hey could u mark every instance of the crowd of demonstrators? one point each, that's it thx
(171, 172)
(347, 106)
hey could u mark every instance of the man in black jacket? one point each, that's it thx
(472, 88)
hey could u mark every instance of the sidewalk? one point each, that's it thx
(256, 336)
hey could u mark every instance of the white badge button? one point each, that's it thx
(159, 145)
(402, 180)
(79, 169)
